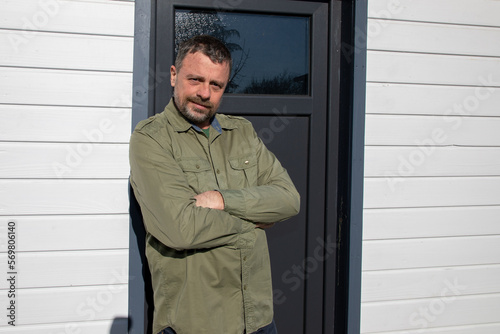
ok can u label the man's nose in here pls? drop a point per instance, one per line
(204, 91)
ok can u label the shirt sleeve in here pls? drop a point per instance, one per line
(273, 199)
(168, 205)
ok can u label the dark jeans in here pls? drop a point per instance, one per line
(269, 329)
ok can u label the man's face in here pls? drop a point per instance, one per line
(198, 87)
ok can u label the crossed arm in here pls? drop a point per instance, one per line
(213, 200)
(181, 219)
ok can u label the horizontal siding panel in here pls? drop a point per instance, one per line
(88, 17)
(397, 67)
(65, 124)
(433, 38)
(431, 161)
(386, 98)
(69, 268)
(65, 101)
(430, 252)
(63, 160)
(431, 192)
(53, 305)
(403, 223)
(33, 197)
(67, 88)
(431, 225)
(474, 12)
(427, 131)
(426, 283)
(68, 51)
(114, 326)
(85, 232)
(450, 310)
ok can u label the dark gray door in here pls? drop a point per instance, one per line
(280, 84)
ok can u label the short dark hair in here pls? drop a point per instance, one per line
(210, 46)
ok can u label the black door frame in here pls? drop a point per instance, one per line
(345, 158)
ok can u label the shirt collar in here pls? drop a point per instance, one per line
(215, 124)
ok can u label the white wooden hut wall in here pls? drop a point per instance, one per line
(431, 249)
(431, 245)
(65, 109)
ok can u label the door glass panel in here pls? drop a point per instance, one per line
(270, 52)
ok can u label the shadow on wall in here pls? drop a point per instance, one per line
(140, 289)
(119, 326)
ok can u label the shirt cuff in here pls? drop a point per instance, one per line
(234, 202)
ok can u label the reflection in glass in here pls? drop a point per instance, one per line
(270, 52)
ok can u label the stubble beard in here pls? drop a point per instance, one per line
(193, 114)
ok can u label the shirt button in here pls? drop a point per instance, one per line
(197, 166)
(245, 258)
(246, 162)
(244, 287)
(218, 171)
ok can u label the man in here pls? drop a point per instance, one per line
(207, 187)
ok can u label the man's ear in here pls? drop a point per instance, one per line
(173, 75)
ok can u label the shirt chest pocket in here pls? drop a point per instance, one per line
(199, 174)
(243, 172)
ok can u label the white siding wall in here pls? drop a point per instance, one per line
(431, 250)
(65, 118)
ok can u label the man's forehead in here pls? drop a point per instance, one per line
(199, 64)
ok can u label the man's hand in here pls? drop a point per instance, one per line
(210, 199)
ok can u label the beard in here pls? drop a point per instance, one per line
(193, 114)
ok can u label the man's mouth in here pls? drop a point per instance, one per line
(201, 105)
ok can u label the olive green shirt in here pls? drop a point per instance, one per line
(210, 268)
